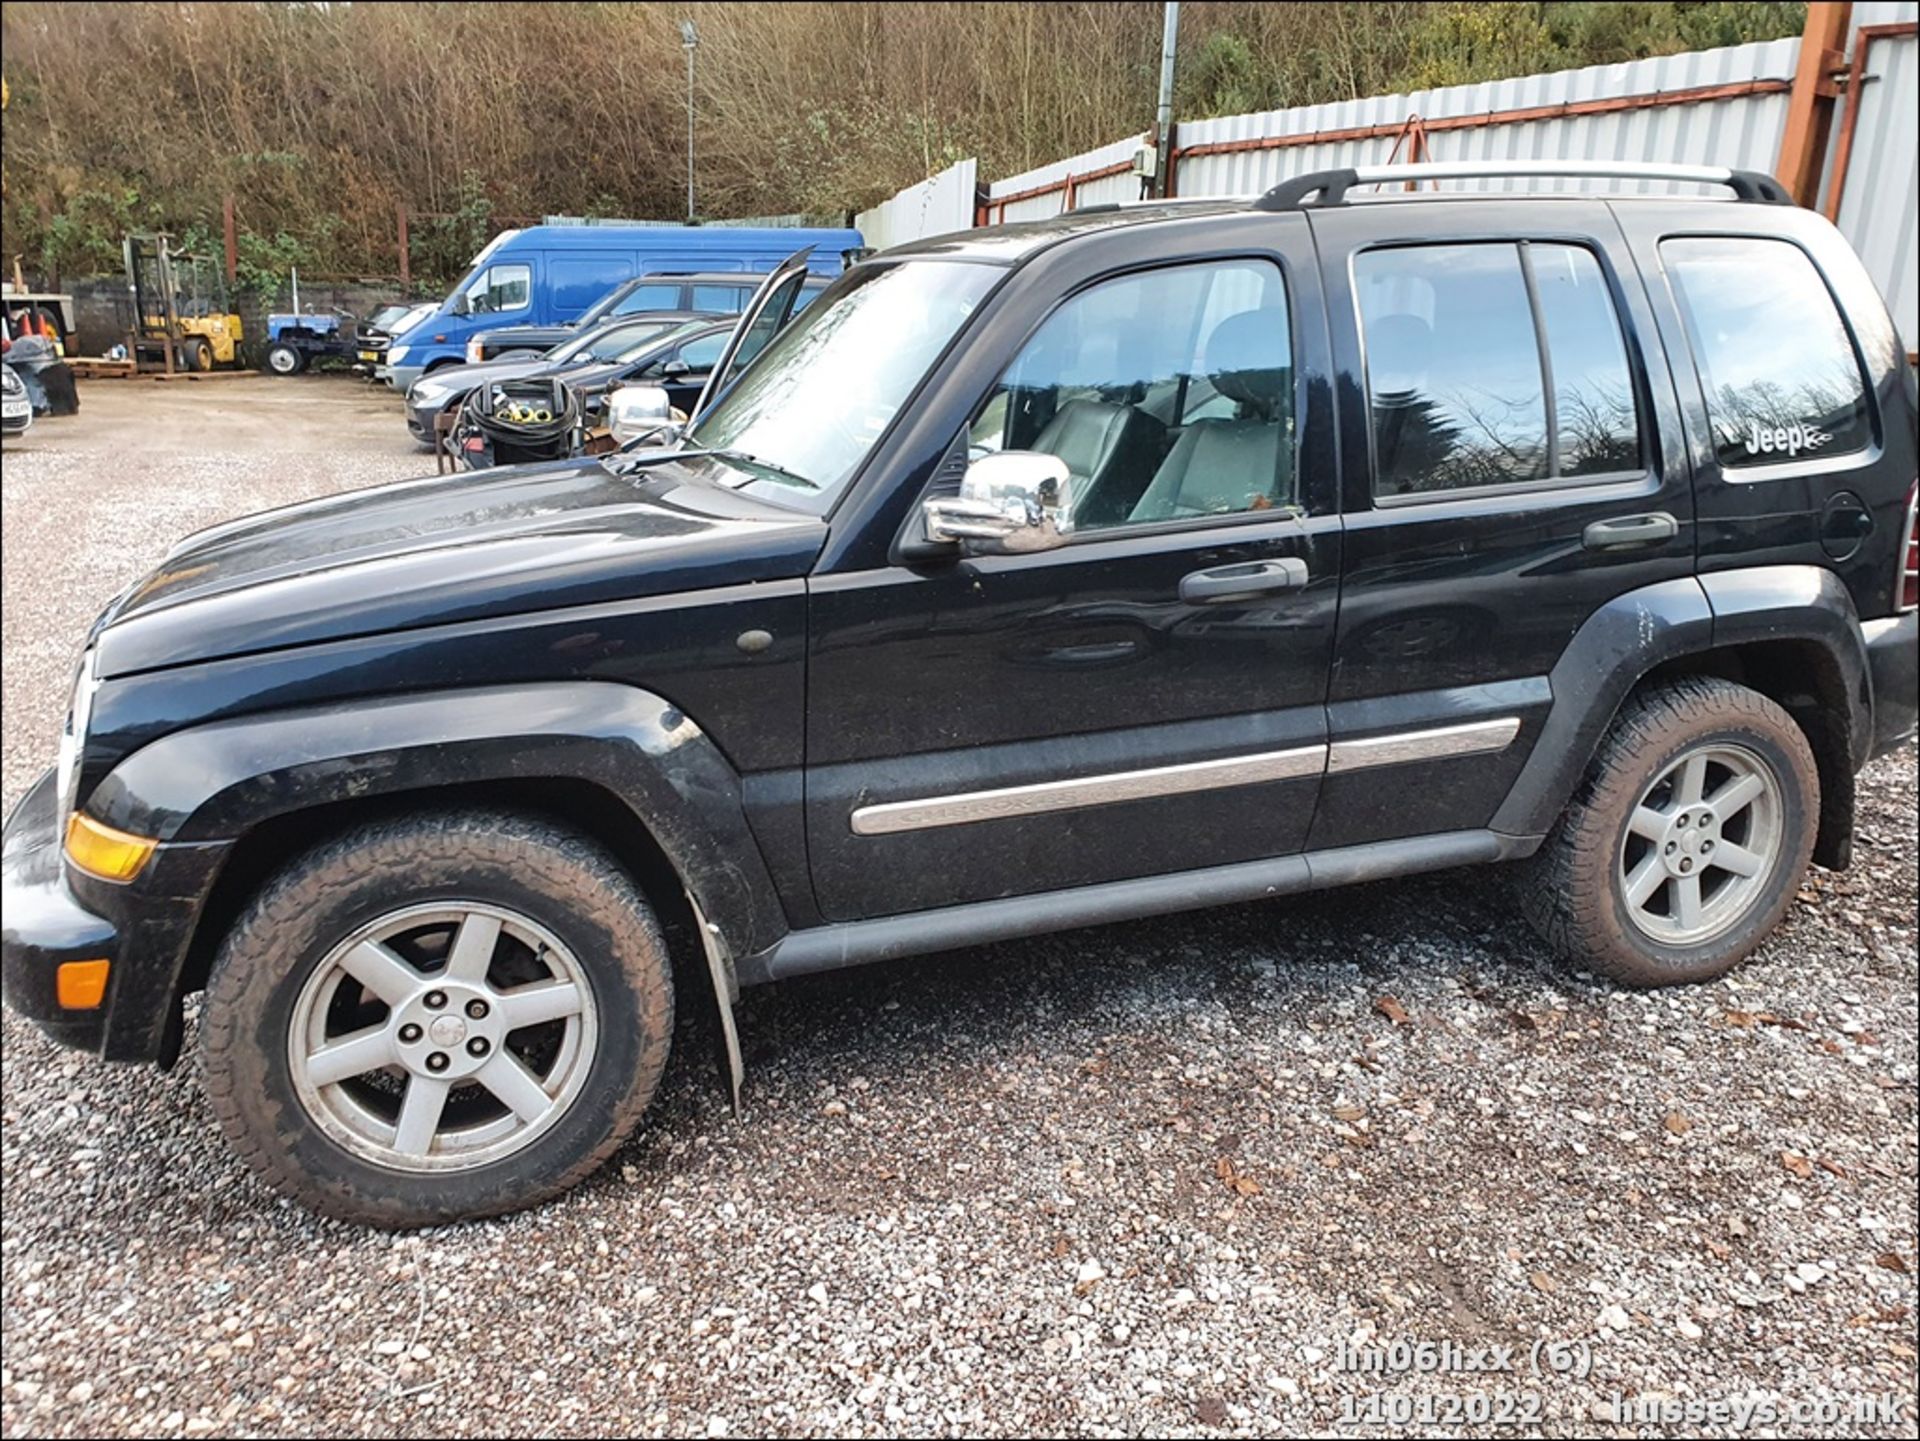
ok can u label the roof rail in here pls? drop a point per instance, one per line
(1332, 185)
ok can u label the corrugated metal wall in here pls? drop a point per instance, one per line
(1502, 120)
(935, 206)
(1038, 193)
(1880, 195)
(1709, 107)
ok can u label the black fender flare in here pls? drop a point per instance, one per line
(1635, 633)
(215, 782)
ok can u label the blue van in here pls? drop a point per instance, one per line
(549, 274)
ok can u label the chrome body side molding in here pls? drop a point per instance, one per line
(965, 807)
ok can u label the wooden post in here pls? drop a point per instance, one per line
(1803, 150)
(233, 242)
(400, 214)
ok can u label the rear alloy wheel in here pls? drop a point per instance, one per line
(1701, 845)
(285, 360)
(1686, 842)
(438, 1017)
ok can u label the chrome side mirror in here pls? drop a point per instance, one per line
(1009, 503)
(637, 410)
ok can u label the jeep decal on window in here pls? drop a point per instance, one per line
(1791, 439)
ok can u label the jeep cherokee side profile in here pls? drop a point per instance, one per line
(1141, 559)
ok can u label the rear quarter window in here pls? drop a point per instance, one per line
(1782, 381)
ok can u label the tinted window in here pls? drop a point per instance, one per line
(1596, 429)
(650, 297)
(1453, 368)
(1169, 395)
(1781, 377)
(721, 299)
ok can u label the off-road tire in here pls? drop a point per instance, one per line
(563, 880)
(1571, 891)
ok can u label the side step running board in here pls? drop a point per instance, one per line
(852, 943)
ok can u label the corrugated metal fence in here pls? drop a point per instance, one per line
(938, 204)
(1725, 106)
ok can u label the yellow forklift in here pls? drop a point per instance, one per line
(181, 318)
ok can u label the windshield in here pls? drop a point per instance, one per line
(817, 398)
(613, 342)
(385, 316)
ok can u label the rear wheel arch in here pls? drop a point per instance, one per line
(1787, 632)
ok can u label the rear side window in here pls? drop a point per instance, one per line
(1782, 380)
(1491, 365)
(650, 297)
(722, 299)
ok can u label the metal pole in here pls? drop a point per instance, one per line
(1163, 122)
(689, 38)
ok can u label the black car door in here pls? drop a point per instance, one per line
(1513, 460)
(1147, 698)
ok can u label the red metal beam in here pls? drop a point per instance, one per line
(1850, 114)
(1803, 147)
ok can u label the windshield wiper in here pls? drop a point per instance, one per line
(740, 457)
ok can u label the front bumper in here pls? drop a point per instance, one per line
(420, 422)
(50, 914)
(1893, 660)
(402, 376)
(44, 925)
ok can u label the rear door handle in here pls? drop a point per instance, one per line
(1630, 530)
(1239, 582)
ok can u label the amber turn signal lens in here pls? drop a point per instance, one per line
(81, 985)
(104, 852)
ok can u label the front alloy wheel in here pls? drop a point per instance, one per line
(438, 1017)
(442, 1038)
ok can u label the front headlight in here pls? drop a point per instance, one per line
(74, 735)
(11, 383)
(396, 354)
(424, 394)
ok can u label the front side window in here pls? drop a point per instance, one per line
(816, 399)
(1466, 390)
(1169, 395)
(1780, 373)
(500, 288)
(622, 340)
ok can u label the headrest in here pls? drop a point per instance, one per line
(1246, 359)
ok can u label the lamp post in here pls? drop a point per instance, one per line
(689, 39)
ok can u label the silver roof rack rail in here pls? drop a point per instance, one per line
(1331, 186)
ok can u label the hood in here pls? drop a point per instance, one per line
(462, 378)
(448, 549)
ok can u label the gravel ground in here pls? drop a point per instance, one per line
(1144, 1179)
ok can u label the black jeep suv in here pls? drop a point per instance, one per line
(1140, 559)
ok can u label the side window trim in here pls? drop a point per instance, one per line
(1553, 480)
(1790, 468)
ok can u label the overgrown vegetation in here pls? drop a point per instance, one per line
(321, 119)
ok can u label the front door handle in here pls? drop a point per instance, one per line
(1241, 582)
(1630, 530)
